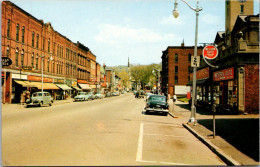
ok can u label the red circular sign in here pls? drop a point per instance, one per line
(210, 52)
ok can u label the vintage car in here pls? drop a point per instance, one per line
(99, 96)
(81, 96)
(91, 95)
(157, 103)
(39, 99)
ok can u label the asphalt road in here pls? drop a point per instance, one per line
(111, 131)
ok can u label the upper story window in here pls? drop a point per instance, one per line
(23, 31)
(241, 9)
(189, 57)
(43, 42)
(22, 58)
(8, 28)
(17, 32)
(176, 57)
(176, 79)
(7, 51)
(176, 69)
(32, 59)
(33, 34)
(16, 57)
(49, 43)
(37, 41)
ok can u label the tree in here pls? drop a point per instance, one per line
(124, 78)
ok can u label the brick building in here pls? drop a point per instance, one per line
(32, 44)
(235, 83)
(176, 68)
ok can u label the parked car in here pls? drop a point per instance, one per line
(123, 92)
(108, 94)
(99, 96)
(81, 96)
(157, 103)
(134, 92)
(39, 99)
(91, 95)
(115, 94)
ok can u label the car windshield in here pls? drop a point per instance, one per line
(154, 98)
(81, 93)
(36, 94)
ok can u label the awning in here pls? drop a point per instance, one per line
(93, 86)
(64, 87)
(199, 82)
(77, 88)
(85, 86)
(25, 83)
(49, 86)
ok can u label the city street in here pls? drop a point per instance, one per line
(110, 131)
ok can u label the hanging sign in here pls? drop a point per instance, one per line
(210, 52)
(6, 61)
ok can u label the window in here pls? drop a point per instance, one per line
(188, 78)
(37, 61)
(43, 41)
(176, 57)
(62, 51)
(189, 69)
(53, 51)
(189, 57)
(8, 28)
(37, 41)
(176, 69)
(49, 45)
(32, 59)
(48, 66)
(7, 51)
(32, 39)
(58, 50)
(16, 57)
(22, 57)
(23, 29)
(17, 32)
(241, 9)
(176, 79)
(53, 68)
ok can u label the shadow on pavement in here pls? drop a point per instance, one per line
(241, 133)
(200, 111)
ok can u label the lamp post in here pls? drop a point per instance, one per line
(176, 14)
(51, 58)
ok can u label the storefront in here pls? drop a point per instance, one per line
(84, 85)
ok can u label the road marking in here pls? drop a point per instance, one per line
(139, 154)
(164, 135)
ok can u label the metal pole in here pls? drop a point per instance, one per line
(42, 72)
(193, 108)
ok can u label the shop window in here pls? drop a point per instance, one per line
(23, 31)
(8, 28)
(176, 57)
(17, 32)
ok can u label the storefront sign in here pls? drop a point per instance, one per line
(37, 78)
(223, 74)
(82, 81)
(210, 52)
(201, 74)
(58, 80)
(19, 76)
(27, 68)
(6, 61)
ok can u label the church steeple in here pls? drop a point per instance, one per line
(128, 62)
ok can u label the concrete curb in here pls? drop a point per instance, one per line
(225, 158)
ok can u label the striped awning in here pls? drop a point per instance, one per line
(64, 87)
(77, 88)
(85, 86)
(48, 86)
(25, 83)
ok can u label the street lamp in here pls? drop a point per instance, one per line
(176, 14)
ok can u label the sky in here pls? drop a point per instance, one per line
(139, 29)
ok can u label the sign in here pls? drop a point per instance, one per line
(38, 78)
(201, 74)
(210, 52)
(27, 68)
(6, 61)
(195, 61)
(225, 74)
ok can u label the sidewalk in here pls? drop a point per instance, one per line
(237, 136)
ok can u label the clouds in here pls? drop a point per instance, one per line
(116, 34)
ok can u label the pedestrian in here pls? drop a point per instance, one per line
(174, 98)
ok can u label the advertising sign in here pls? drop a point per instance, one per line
(210, 52)
(6, 61)
(225, 74)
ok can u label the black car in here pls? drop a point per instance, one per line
(157, 103)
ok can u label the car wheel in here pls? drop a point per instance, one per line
(40, 104)
(50, 104)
